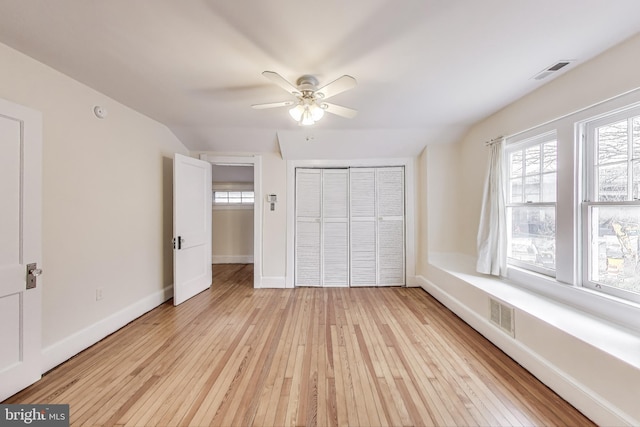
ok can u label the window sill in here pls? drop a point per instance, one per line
(620, 341)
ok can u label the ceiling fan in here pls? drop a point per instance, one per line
(311, 105)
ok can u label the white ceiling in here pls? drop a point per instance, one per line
(426, 69)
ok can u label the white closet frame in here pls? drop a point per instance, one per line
(409, 197)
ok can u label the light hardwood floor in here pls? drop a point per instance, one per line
(317, 357)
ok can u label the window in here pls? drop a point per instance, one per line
(233, 197)
(531, 203)
(611, 214)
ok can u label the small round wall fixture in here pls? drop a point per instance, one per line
(100, 112)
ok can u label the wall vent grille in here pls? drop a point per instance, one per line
(502, 316)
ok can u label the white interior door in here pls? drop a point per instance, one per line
(191, 227)
(20, 245)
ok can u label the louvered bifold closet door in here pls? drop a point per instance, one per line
(390, 210)
(364, 264)
(335, 227)
(308, 227)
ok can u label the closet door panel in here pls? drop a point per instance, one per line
(335, 227)
(363, 227)
(390, 204)
(308, 227)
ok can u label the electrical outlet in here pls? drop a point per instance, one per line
(98, 294)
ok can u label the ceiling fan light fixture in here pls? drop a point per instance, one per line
(307, 117)
(310, 106)
(296, 112)
(316, 111)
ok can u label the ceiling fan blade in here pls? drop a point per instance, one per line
(272, 105)
(339, 110)
(337, 86)
(280, 81)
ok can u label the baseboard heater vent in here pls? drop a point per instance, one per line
(502, 316)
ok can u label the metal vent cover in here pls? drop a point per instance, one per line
(552, 69)
(502, 316)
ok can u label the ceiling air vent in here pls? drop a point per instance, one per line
(552, 69)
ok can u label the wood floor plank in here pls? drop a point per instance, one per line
(234, 355)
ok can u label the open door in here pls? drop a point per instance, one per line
(20, 247)
(191, 227)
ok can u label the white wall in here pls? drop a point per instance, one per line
(613, 73)
(595, 380)
(107, 197)
(232, 236)
(274, 226)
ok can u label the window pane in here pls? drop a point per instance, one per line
(247, 197)
(612, 183)
(235, 194)
(220, 196)
(550, 159)
(612, 142)
(614, 246)
(515, 194)
(532, 235)
(532, 189)
(635, 192)
(234, 200)
(636, 137)
(532, 160)
(549, 187)
(515, 162)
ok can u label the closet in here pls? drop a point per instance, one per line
(349, 227)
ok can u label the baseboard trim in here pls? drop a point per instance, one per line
(273, 282)
(68, 347)
(587, 401)
(232, 259)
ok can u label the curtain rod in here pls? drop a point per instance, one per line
(494, 140)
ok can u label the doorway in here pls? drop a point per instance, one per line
(232, 215)
(255, 163)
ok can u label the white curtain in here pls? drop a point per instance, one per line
(492, 231)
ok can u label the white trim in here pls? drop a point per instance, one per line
(275, 282)
(256, 162)
(232, 259)
(410, 198)
(68, 347)
(569, 232)
(587, 401)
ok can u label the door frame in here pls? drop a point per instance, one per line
(256, 162)
(409, 198)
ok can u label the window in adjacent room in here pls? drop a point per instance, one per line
(531, 203)
(233, 198)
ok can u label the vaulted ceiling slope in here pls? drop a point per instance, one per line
(426, 69)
